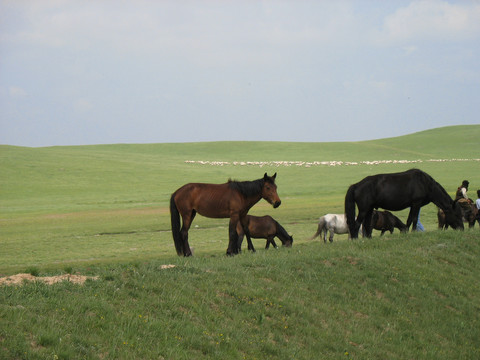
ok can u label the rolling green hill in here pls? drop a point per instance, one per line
(51, 193)
(103, 211)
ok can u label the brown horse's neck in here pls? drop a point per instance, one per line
(251, 201)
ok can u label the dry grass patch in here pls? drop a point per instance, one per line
(19, 279)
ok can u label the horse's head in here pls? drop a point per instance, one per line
(288, 242)
(454, 218)
(269, 190)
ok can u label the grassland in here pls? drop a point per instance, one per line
(102, 210)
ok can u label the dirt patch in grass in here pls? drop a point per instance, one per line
(19, 279)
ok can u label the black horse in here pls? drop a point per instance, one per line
(397, 191)
(386, 221)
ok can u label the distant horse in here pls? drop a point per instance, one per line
(230, 200)
(264, 227)
(469, 217)
(397, 191)
(333, 223)
(386, 221)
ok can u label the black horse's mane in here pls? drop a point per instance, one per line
(247, 188)
(434, 185)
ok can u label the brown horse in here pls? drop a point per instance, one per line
(264, 227)
(230, 200)
(468, 216)
(386, 221)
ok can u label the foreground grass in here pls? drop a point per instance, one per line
(103, 210)
(413, 296)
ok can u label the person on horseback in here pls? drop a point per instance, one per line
(462, 191)
(462, 198)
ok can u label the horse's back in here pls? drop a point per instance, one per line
(394, 191)
(261, 226)
(210, 200)
(337, 222)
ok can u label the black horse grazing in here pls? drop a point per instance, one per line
(230, 200)
(264, 227)
(386, 221)
(397, 191)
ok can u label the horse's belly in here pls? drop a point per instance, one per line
(213, 213)
(216, 207)
(392, 206)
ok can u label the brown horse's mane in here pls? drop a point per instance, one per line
(247, 188)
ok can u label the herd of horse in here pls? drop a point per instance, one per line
(395, 191)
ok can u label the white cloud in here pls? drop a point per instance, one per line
(433, 20)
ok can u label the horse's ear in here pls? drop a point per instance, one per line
(266, 177)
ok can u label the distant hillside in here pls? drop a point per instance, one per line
(447, 142)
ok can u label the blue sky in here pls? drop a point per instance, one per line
(97, 72)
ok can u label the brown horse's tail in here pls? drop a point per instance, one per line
(350, 210)
(175, 219)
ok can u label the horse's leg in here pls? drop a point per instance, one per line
(275, 244)
(187, 221)
(413, 217)
(332, 232)
(358, 222)
(249, 242)
(367, 223)
(271, 241)
(233, 239)
(240, 240)
(471, 223)
(246, 231)
(390, 227)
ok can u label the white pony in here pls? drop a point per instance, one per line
(335, 223)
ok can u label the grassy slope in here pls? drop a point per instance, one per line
(57, 202)
(103, 210)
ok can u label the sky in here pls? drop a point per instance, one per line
(102, 72)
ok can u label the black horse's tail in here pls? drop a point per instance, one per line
(175, 219)
(350, 210)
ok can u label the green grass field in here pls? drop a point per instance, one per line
(103, 210)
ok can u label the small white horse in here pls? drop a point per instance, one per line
(334, 223)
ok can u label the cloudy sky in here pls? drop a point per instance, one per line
(92, 72)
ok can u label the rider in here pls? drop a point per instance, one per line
(462, 191)
(462, 198)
